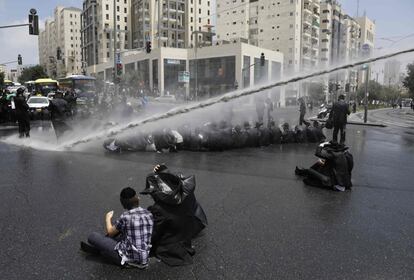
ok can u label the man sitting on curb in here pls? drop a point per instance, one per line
(128, 242)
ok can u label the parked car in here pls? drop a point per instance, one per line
(39, 107)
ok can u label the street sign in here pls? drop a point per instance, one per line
(173, 61)
(183, 77)
(118, 58)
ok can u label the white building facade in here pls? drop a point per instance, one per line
(60, 43)
(98, 29)
(219, 69)
(170, 23)
(291, 27)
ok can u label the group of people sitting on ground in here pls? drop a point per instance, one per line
(164, 230)
(216, 137)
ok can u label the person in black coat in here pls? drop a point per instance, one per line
(178, 217)
(22, 114)
(275, 133)
(333, 170)
(338, 115)
(302, 111)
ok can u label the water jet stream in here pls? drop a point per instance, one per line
(227, 97)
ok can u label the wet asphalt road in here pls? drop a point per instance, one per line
(263, 222)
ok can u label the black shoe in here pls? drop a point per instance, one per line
(87, 248)
(136, 265)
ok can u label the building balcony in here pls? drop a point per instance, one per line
(169, 19)
(307, 32)
(307, 21)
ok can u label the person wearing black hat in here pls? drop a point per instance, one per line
(339, 113)
(178, 217)
(22, 113)
(128, 241)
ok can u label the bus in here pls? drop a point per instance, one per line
(82, 85)
(45, 86)
(8, 83)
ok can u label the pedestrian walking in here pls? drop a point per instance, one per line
(302, 111)
(338, 115)
(22, 113)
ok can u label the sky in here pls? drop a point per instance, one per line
(394, 19)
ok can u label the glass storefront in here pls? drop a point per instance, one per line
(215, 76)
(260, 72)
(172, 67)
(246, 71)
(155, 76)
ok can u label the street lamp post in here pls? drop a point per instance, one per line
(366, 95)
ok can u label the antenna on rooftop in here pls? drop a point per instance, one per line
(357, 15)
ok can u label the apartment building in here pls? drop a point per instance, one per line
(392, 72)
(97, 29)
(171, 23)
(367, 42)
(289, 26)
(60, 43)
(340, 43)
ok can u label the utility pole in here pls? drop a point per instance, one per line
(366, 95)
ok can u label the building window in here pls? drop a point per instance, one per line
(125, 19)
(107, 7)
(117, 8)
(107, 16)
(117, 18)
(125, 10)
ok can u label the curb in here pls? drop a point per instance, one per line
(354, 123)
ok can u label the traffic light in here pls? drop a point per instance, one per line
(19, 60)
(148, 46)
(58, 54)
(118, 69)
(33, 22)
(262, 59)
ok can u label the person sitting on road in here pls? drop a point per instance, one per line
(128, 241)
(275, 133)
(333, 170)
(288, 136)
(178, 217)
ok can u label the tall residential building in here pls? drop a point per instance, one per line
(340, 43)
(367, 40)
(98, 29)
(170, 23)
(61, 36)
(392, 72)
(289, 26)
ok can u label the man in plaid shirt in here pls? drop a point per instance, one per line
(128, 242)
